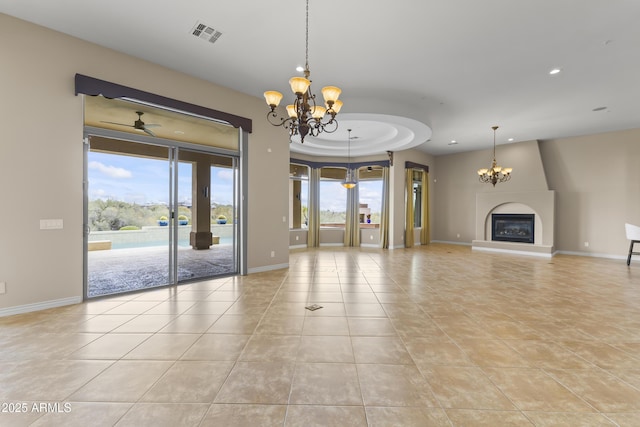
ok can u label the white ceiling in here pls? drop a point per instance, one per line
(453, 67)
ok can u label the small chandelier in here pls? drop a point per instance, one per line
(305, 117)
(496, 173)
(349, 180)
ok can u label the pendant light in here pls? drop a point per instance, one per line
(349, 180)
(495, 173)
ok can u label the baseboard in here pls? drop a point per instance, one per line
(598, 255)
(369, 245)
(298, 247)
(451, 243)
(268, 268)
(415, 245)
(28, 308)
(515, 252)
(547, 255)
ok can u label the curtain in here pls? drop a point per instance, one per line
(409, 220)
(313, 234)
(425, 236)
(352, 223)
(384, 215)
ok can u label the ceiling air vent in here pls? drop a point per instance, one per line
(205, 32)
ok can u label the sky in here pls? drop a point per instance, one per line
(333, 196)
(146, 181)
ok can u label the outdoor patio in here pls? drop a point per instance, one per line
(124, 270)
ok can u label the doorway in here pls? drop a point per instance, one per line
(157, 214)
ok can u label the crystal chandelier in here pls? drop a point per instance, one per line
(349, 180)
(305, 117)
(495, 173)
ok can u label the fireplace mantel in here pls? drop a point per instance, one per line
(540, 203)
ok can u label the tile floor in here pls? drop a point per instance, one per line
(436, 335)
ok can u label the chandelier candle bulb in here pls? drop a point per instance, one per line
(331, 94)
(299, 85)
(319, 112)
(273, 98)
(336, 106)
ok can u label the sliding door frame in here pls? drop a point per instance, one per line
(239, 160)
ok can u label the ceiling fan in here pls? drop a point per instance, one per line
(138, 124)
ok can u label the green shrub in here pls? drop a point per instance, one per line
(182, 217)
(163, 218)
(221, 217)
(129, 227)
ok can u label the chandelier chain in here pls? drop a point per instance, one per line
(305, 117)
(494, 142)
(349, 150)
(306, 56)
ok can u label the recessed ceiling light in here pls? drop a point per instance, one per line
(599, 109)
(554, 71)
(300, 68)
(510, 139)
(453, 142)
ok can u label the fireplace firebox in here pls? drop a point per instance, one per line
(512, 227)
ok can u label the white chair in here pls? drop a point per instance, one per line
(633, 234)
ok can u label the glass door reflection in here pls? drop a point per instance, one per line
(157, 216)
(206, 244)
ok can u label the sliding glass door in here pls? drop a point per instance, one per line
(154, 215)
(207, 220)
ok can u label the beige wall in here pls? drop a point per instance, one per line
(597, 183)
(595, 178)
(41, 157)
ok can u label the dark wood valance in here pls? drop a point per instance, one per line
(354, 165)
(412, 165)
(91, 86)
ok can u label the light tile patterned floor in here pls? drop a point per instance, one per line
(436, 335)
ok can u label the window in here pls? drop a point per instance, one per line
(370, 192)
(298, 196)
(333, 197)
(417, 198)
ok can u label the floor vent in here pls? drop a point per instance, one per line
(205, 32)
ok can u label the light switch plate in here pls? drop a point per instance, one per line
(51, 224)
(3, 288)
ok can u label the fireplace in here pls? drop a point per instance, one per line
(513, 227)
(539, 205)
